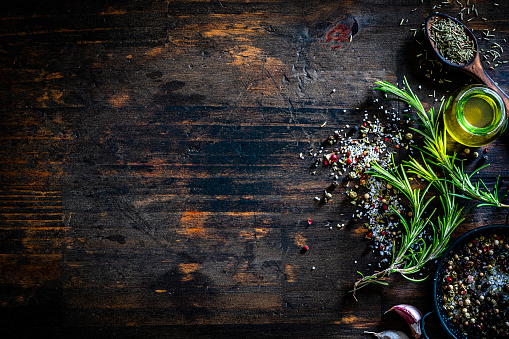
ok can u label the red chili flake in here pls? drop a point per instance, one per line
(364, 124)
(463, 292)
(326, 163)
(449, 280)
(369, 235)
(306, 247)
(385, 207)
(310, 221)
(349, 160)
(334, 158)
(383, 232)
(376, 149)
(385, 139)
(373, 205)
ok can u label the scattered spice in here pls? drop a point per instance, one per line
(353, 150)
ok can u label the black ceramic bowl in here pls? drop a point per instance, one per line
(446, 322)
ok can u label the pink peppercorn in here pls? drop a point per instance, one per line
(310, 221)
(349, 160)
(334, 157)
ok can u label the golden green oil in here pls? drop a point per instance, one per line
(479, 110)
(475, 116)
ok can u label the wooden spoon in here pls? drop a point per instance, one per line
(474, 66)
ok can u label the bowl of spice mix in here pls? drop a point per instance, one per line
(471, 284)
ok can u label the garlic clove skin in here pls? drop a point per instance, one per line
(411, 315)
(389, 334)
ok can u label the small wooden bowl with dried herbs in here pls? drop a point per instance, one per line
(457, 47)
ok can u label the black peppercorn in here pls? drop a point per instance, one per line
(471, 301)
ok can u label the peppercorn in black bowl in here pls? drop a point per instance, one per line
(471, 285)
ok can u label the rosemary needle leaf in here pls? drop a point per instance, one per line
(414, 279)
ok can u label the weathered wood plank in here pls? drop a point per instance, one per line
(150, 175)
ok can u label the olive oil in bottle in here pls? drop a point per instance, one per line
(479, 111)
(475, 116)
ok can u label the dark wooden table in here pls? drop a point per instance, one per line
(151, 184)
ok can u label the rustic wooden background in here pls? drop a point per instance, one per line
(151, 184)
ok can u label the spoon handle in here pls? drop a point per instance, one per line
(476, 69)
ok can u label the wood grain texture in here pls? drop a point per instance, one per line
(150, 175)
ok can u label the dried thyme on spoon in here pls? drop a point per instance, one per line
(451, 40)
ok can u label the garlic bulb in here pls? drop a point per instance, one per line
(412, 316)
(389, 334)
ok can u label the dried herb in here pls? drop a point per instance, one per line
(451, 40)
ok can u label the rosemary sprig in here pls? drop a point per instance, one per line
(435, 146)
(413, 251)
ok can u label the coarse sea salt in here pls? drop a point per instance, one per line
(356, 147)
